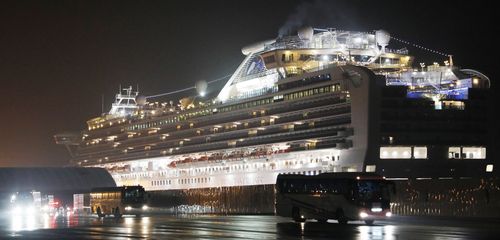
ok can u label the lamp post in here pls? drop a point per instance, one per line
(422, 65)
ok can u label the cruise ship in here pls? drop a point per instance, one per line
(321, 100)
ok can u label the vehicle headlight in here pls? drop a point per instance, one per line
(17, 210)
(128, 208)
(363, 214)
(388, 214)
(30, 210)
(145, 207)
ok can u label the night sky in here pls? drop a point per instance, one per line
(57, 58)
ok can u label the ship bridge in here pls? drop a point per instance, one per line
(311, 50)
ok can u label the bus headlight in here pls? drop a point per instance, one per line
(363, 215)
(17, 210)
(128, 208)
(145, 207)
(388, 214)
(30, 210)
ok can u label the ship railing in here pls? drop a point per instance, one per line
(255, 93)
(314, 109)
(276, 137)
(257, 75)
(323, 67)
(402, 51)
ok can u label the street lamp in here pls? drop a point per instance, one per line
(422, 65)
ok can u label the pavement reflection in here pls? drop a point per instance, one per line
(237, 227)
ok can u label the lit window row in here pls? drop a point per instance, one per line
(179, 118)
(195, 180)
(161, 182)
(313, 91)
(460, 152)
(246, 105)
(403, 152)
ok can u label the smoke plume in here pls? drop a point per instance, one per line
(319, 14)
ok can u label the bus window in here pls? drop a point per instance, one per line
(372, 190)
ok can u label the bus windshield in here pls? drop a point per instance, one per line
(133, 194)
(370, 190)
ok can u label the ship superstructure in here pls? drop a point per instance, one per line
(324, 100)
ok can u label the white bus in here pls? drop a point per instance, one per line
(341, 196)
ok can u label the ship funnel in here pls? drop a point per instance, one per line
(305, 33)
(382, 37)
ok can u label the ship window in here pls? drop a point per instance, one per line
(269, 59)
(474, 152)
(419, 152)
(466, 152)
(395, 152)
(454, 152)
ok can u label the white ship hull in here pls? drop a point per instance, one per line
(244, 171)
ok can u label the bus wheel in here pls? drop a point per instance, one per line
(369, 222)
(296, 215)
(341, 218)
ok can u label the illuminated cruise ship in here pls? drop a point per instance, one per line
(323, 100)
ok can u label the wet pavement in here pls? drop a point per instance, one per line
(239, 227)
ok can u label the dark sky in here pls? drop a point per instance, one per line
(58, 57)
